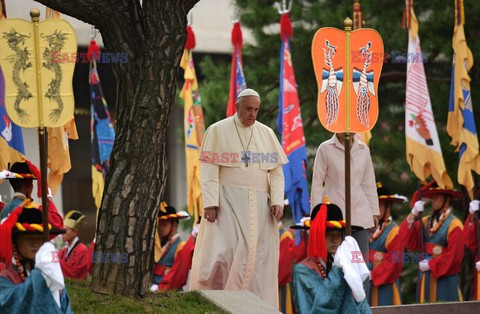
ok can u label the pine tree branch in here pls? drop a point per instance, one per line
(114, 19)
(153, 7)
(89, 11)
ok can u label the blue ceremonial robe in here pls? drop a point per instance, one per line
(10, 207)
(166, 262)
(32, 296)
(314, 294)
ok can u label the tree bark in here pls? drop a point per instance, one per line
(153, 35)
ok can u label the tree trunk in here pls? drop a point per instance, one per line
(153, 36)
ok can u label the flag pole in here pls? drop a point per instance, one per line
(422, 242)
(42, 131)
(476, 215)
(348, 27)
(420, 217)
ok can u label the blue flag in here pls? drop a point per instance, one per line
(9, 131)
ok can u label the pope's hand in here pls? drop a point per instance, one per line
(277, 212)
(210, 213)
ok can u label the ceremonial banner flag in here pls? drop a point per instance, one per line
(237, 79)
(194, 126)
(58, 150)
(11, 138)
(357, 24)
(18, 57)
(461, 122)
(347, 67)
(424, 154)
(290, 125)
(59, 153)
(102, 133)
(359, 112)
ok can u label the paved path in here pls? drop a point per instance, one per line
(239, 302)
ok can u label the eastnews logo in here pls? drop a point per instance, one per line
(100, 258)
(234, 158)
(82, 57)
(397, 257)
(394, 56)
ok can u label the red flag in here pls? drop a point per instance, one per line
(237, 79)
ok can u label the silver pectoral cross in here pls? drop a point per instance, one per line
(245, 159)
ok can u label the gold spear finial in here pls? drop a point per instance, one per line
(35, 14)
(348, 23)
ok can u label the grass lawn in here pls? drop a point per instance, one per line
(84, 301)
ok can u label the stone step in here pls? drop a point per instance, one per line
(238, 302)
(437, 308)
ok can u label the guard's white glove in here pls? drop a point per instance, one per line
(51, 271)
(195, 230)
(423, 265)
(477, 265)
(49, 193)
(154, 288)
(474, 206)
(418, 207)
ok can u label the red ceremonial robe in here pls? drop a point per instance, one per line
(177, 276)
(91, 249)
(290, 254)
(77, 262)
(447, 263)
(470, 234)
(386, 252)
(388, 269)
(53, 216)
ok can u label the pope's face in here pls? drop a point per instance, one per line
(28, 245)
(247, 109)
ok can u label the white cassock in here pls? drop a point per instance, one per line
(239, 251)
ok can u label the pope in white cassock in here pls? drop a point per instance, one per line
(237, 246)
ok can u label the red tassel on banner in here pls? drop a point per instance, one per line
(357, 15)
(190, 42)
(286, 29)
(237, 39)
(459, 12)
(93, 50)
(317, 244)
(407, 13)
